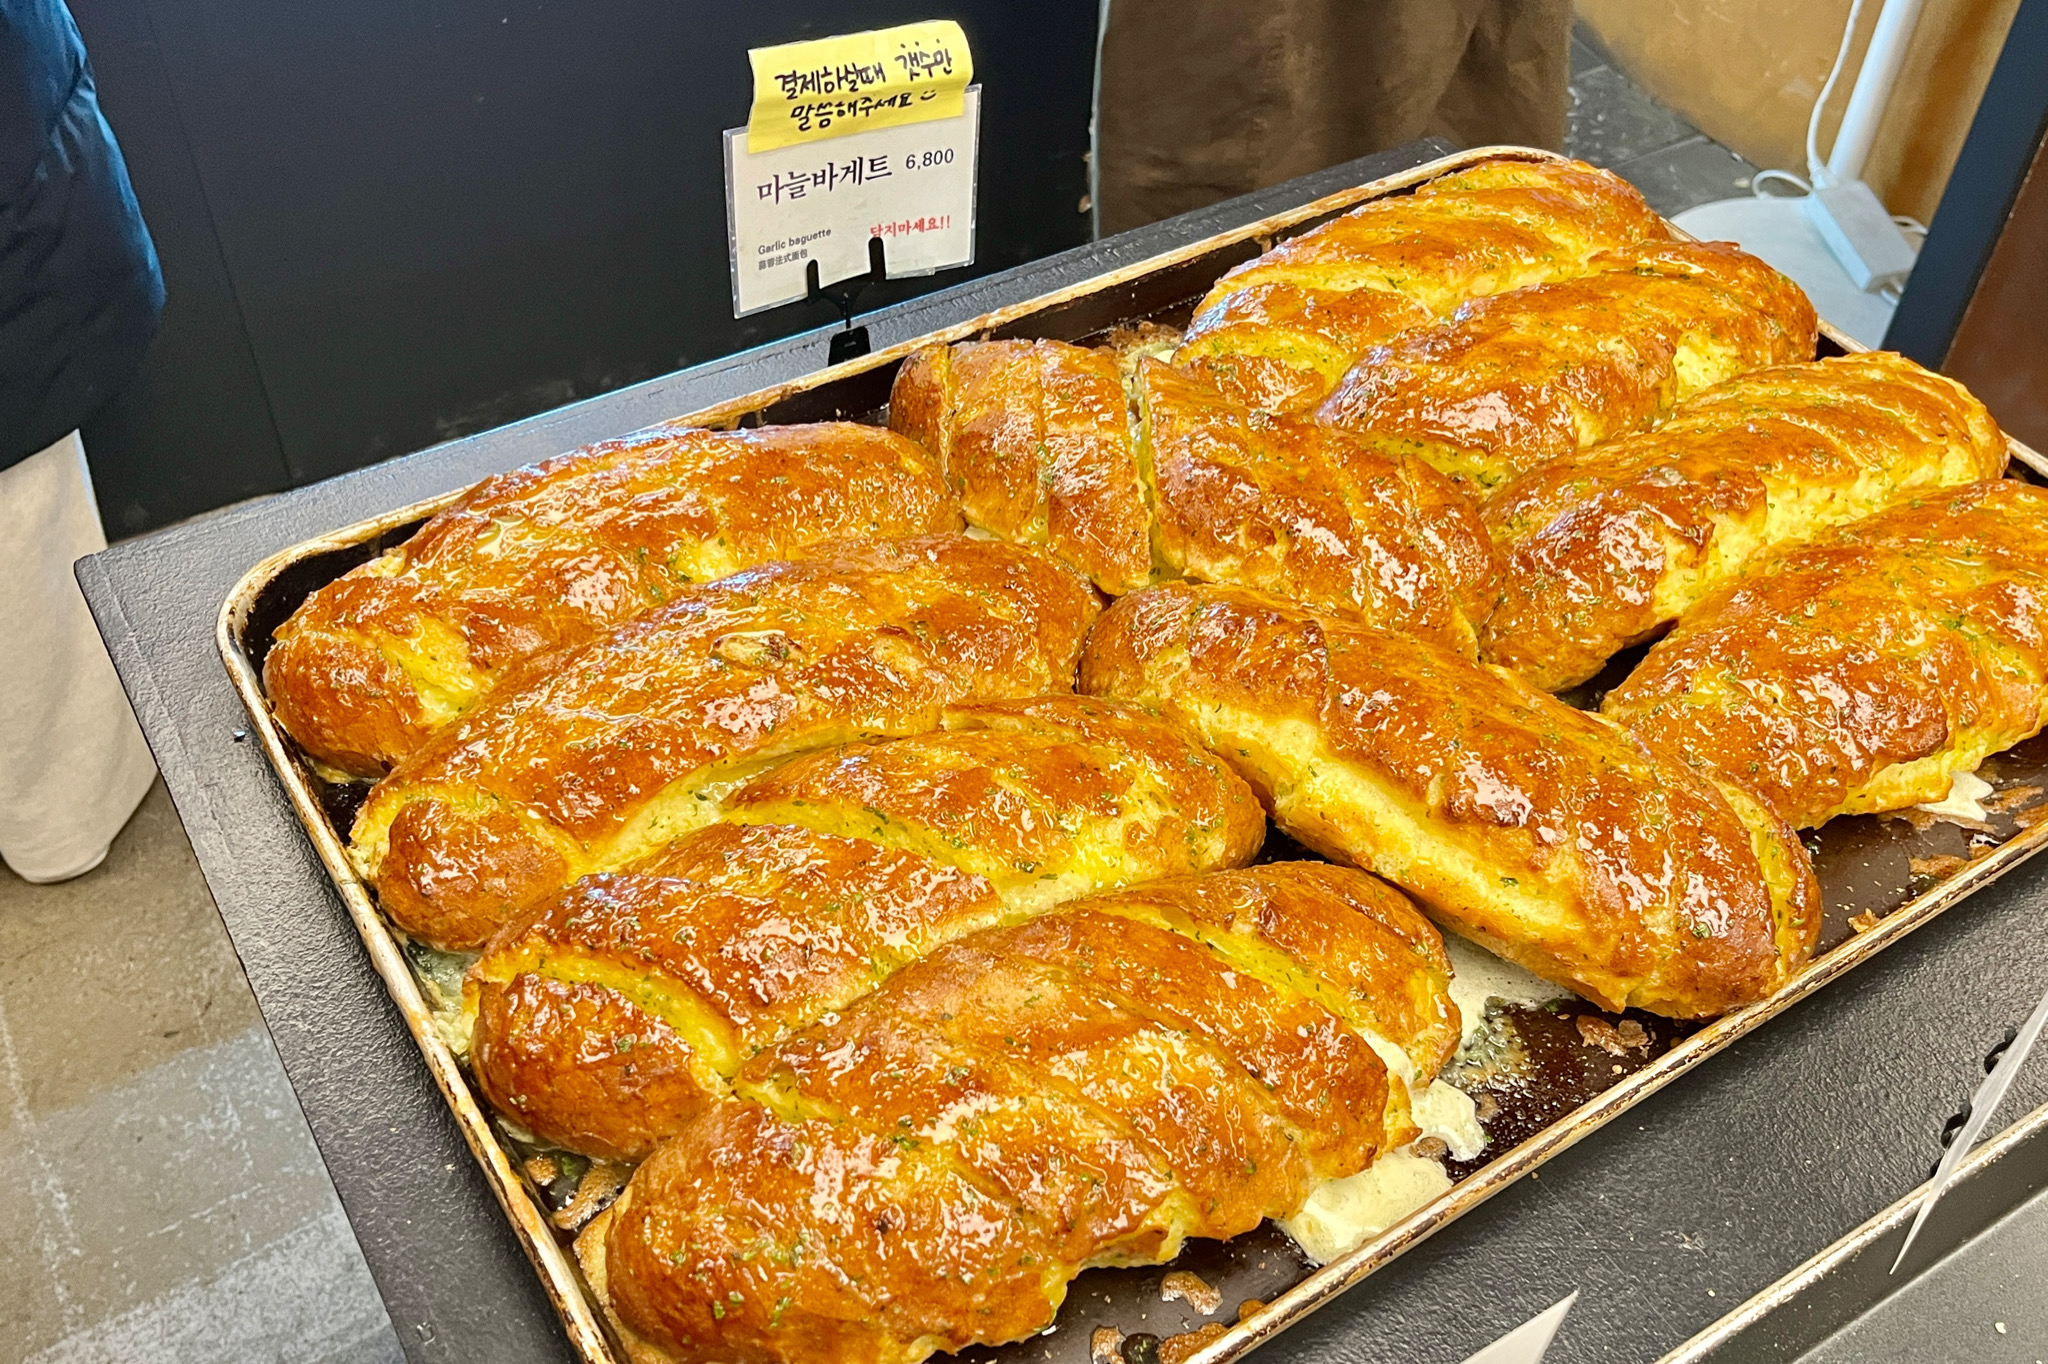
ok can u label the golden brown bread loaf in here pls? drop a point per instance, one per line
(1859, 673)
(1044, 799)
(607, 1019)
(612, 750)
(1035, 437)
(1316, 514)
(1543, 833)
(1214, 490)
(555, 554)
(931, 1167)
(1278, 332)
(620, 1010)
(1604, 550)
(1512, 381)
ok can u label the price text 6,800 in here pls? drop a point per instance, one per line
(943, 156)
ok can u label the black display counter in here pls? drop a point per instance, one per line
(1690, 1203)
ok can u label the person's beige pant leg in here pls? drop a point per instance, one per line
(73, 766)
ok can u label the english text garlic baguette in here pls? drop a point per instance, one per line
(1859, 673)
(1034, 435)
(1514, 380)
(555, 554)
(619, 747)
(1604, 550)
(1310, 512)
(1279, 332)
(610, 1017)
(931, 1167)
(1545, 834)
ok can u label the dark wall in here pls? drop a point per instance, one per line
(2001, 345)
(391, 222)
(1954, 289)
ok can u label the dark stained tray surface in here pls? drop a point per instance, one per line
(1800, 1130)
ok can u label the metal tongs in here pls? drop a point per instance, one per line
(1529, 1342)
(1976, 1113)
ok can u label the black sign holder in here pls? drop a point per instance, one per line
(852, 341)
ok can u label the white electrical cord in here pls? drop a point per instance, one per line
(1756, 183)
(1816, 169)
(1906, 223)
(1893, 24)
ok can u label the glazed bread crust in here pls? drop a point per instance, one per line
(624, 1006)
(597, 757)
(931, 1167)
(1512, 381)
(555, 554)
(1035, 437)
(609, 1018)
(1545, 834)
(1044, 799)
(1216, 490)
(1859, 673)
(1313, 513)
(1279, 332)
(1604, 550)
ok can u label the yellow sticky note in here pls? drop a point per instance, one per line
(829, 87)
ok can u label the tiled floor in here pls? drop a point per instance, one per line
(164, 1199)
(166, 1203)
(1614, 124)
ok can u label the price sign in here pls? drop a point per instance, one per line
(912, 185)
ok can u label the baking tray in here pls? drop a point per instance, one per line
(1572, 1068)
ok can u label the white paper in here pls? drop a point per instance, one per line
(912, 186)
(1529, 1342)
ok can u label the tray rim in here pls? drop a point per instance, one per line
(583, 1320)
(1788, 1289)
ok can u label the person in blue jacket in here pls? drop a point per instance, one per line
(80, 294)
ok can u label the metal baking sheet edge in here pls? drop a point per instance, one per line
(1724, 1339)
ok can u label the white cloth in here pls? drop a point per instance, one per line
(73, 766)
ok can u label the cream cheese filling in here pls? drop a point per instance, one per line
(1478, 976)
(1966, 791)
(1343, 1214)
